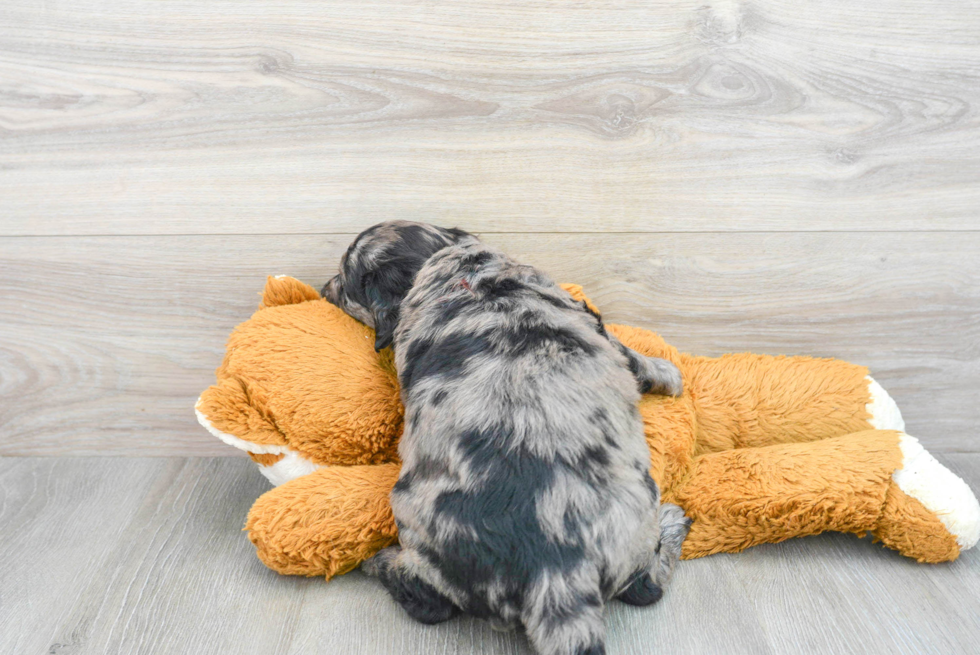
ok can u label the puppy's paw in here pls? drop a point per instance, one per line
(371, 567)
(380, 563)
(642, 591)
(674, 526)
(660, 376)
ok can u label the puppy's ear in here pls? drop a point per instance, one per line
(331, 291)
(385, 323)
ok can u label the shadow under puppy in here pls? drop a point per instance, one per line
(524, 496)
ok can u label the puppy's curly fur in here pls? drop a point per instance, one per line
(524, 497)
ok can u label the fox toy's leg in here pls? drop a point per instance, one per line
(749, 401)
(877, 480)
(327, 522)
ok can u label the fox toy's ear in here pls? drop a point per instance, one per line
(385, 323)
(285, 290)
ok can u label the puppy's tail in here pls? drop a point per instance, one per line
(563, 613)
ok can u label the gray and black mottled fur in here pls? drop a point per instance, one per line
(524, 496)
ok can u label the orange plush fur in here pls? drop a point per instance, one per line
(757, 449)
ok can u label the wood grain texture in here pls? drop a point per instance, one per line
(106, 342)
(123, 117)
(133, 556)
(761, 175)
(120, 555)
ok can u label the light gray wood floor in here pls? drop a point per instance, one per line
(146, 555)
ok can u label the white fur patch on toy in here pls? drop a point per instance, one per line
(940, 491)
(232, 440)
(290, 467)
(884, 412)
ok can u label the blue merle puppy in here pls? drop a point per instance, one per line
(524, 496)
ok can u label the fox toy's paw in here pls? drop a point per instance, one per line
(930, 513)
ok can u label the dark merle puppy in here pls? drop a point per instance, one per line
(524, 496)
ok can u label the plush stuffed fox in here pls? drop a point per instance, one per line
(757, 449)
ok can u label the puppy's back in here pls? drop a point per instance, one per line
(525, 491)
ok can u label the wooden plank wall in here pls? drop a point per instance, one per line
(766, 175)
